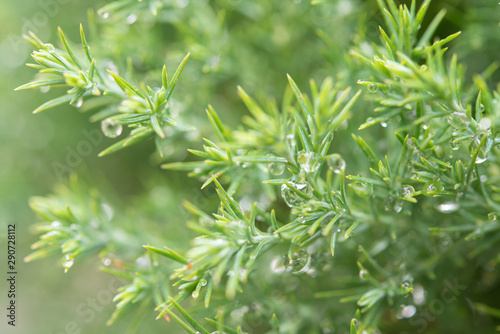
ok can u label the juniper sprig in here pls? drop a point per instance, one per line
(369, 202)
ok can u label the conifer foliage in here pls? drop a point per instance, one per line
(364, 202)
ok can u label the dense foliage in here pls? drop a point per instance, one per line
(367, 200)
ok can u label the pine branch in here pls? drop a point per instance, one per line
(144, 111)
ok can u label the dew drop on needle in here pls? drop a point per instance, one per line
(111, 128)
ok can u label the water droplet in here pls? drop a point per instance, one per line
(406, 191)
(49, 47)
(454, 144)
(423, 68)
(108, 211)
(483, 178)
(291, 197)
(239, 313)
(276, 168)
(492, 216)
(362, 189)
(290, 140)
(203, 282)
(481, 107)
(45, 89)
(56, 225)
(480, 160)
(408, 312)
(278, 264)
(393, 204)
(438, 151)
(143, 262)
(363, 274)
(67, 262)
(213, 63)
(311, 272)
(419, 295)
(131, 18)
(447, 207)
(372, 88)
(308, 161)
(106, 262)
(111, 128)
(79, 103)
(429, 189)
(336, 163)
(105, 15)
(243, 272)
(485, 123)
(414, 176)
(336, 198)
(370, 121)
(484, 150)
(383, 124)
(219, 242)
(51, 234)
(95, 223)
(300, 262)
(195, 294)
(458, 120)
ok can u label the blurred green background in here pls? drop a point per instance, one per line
(260, 42)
